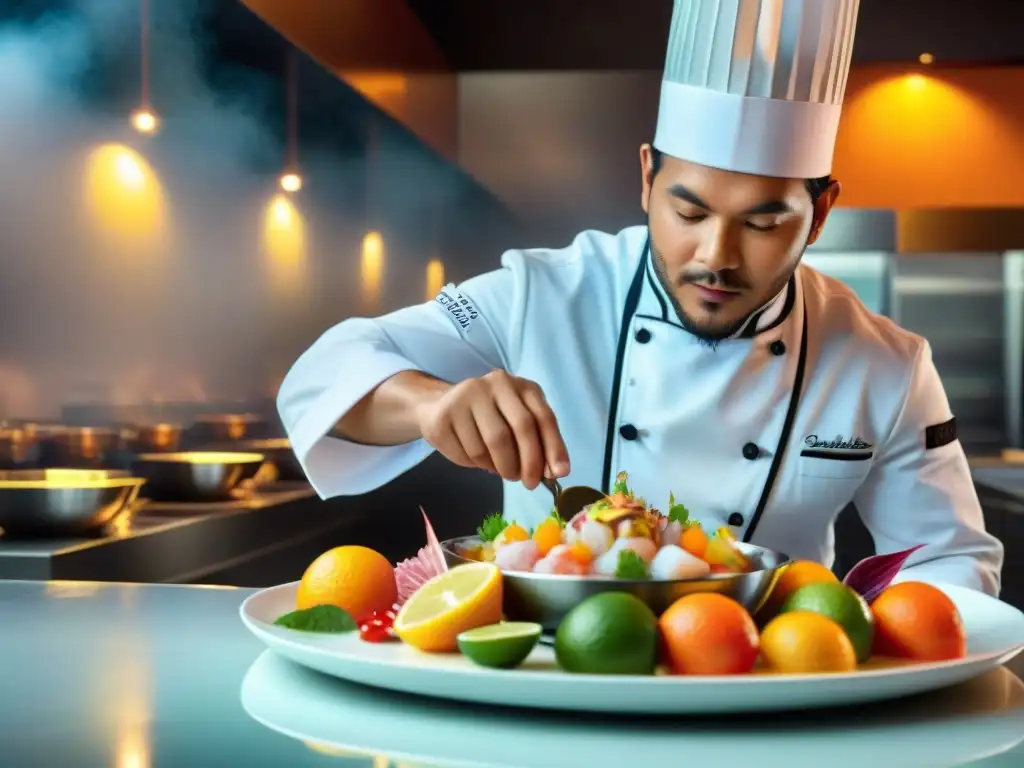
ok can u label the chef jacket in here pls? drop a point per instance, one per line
(817, 402)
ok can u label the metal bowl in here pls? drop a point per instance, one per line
(277, 450)
(195, 475)
(546, 598)
(63, 501)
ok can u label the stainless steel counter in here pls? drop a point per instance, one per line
(153, 676)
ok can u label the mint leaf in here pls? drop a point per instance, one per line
(630, 566)
(319, 618)
(491, 527)
(677, 513)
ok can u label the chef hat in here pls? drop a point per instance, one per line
(756, 86)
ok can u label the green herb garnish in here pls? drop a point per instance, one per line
(621, 486)
(319, 618)
(677, 513)
(630, 566)
(491, 527)
(557, 517)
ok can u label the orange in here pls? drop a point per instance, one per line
(694, 540)
(708, 634)
(462, 598)
(801, 642)
(792, 577)
(547, 536)
(354, 578)
(917, 621)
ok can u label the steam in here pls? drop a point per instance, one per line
(82, 320)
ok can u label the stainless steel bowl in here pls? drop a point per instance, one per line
(195, 475)
(63, 501)
(278, 452)
(547, 598)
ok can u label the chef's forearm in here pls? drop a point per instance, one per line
(388, 414)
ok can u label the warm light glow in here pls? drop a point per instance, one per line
(435, 278)
(372, 267)
(284, 242)
(123, 193)
(145, 121)
(291, 182)
(916, 82)
(926, 58)
(377, 85)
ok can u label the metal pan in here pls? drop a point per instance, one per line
(195, 476)
(63, 502)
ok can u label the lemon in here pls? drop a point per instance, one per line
(463, 598)
(611, 633)
(502, 646)
(801, 642)
(841, 604)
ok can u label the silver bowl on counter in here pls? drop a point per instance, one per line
(277, 451)
(195, 476)
(546, 598)
(64, 501)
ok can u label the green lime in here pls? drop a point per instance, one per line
(503, 646)
(611, 633)
(841, 604)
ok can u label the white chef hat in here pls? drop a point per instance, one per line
(756, 86)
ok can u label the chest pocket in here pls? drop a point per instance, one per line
(835, 466)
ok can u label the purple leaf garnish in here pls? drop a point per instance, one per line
(873, 574)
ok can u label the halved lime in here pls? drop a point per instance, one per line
(503, 646)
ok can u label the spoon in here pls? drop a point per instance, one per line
(569, 501)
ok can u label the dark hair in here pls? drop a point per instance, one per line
(815, 187)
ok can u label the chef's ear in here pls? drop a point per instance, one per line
(648, 168)
(822, 207)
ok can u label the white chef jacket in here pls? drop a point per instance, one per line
(816, 403)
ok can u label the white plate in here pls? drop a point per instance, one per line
(961, 724)
(995, 633)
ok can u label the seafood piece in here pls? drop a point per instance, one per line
(562, 563)
(511, 534)
(721, 551)
(670, 533)
(518, 556)
(597, 536)
(606, 564)
(674, 562)
(644, 547)
(548, 535)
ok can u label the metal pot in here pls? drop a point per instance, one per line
(195, 476)
(157, 438)
(63, 501)
(219, 428)
(17, 448)
(84, 447)
(546, 598)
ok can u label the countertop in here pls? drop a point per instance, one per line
(135, 676)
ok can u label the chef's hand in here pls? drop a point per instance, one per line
(500, 423)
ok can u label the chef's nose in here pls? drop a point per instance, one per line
(718, 250)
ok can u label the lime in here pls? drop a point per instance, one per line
(611, 633)
(503, 646)
(841, 604)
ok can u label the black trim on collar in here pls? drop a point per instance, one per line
(656, 286)
(751, 330)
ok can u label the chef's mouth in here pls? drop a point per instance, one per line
(715, 295)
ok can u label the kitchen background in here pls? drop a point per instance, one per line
(158, 275)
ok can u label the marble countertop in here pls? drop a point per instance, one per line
(135, 676)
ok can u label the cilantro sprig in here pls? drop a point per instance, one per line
(677, 513)
(491, 527)
(630, 566)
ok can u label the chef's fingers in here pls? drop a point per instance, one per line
(497, 436)
(469, 445)
(556, 455)
(524, 427)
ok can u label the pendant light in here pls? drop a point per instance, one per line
(291, 179)
(144, 119)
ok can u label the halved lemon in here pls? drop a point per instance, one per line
(463, 598)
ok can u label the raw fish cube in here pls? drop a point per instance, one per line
(673, 562)
(517, 556)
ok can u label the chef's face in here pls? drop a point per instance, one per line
(726, 243)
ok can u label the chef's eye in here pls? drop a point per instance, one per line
(761, 227)
(691, 219)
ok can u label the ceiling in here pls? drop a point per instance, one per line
(632, 34)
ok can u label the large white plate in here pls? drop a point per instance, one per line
(995, 633)
(972, 721)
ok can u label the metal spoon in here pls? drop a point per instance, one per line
(569, 501)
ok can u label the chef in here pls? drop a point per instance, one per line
(695, 353)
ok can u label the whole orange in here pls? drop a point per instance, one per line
(355, 578)
(791, 577)
(708, 634)
(917, 621)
